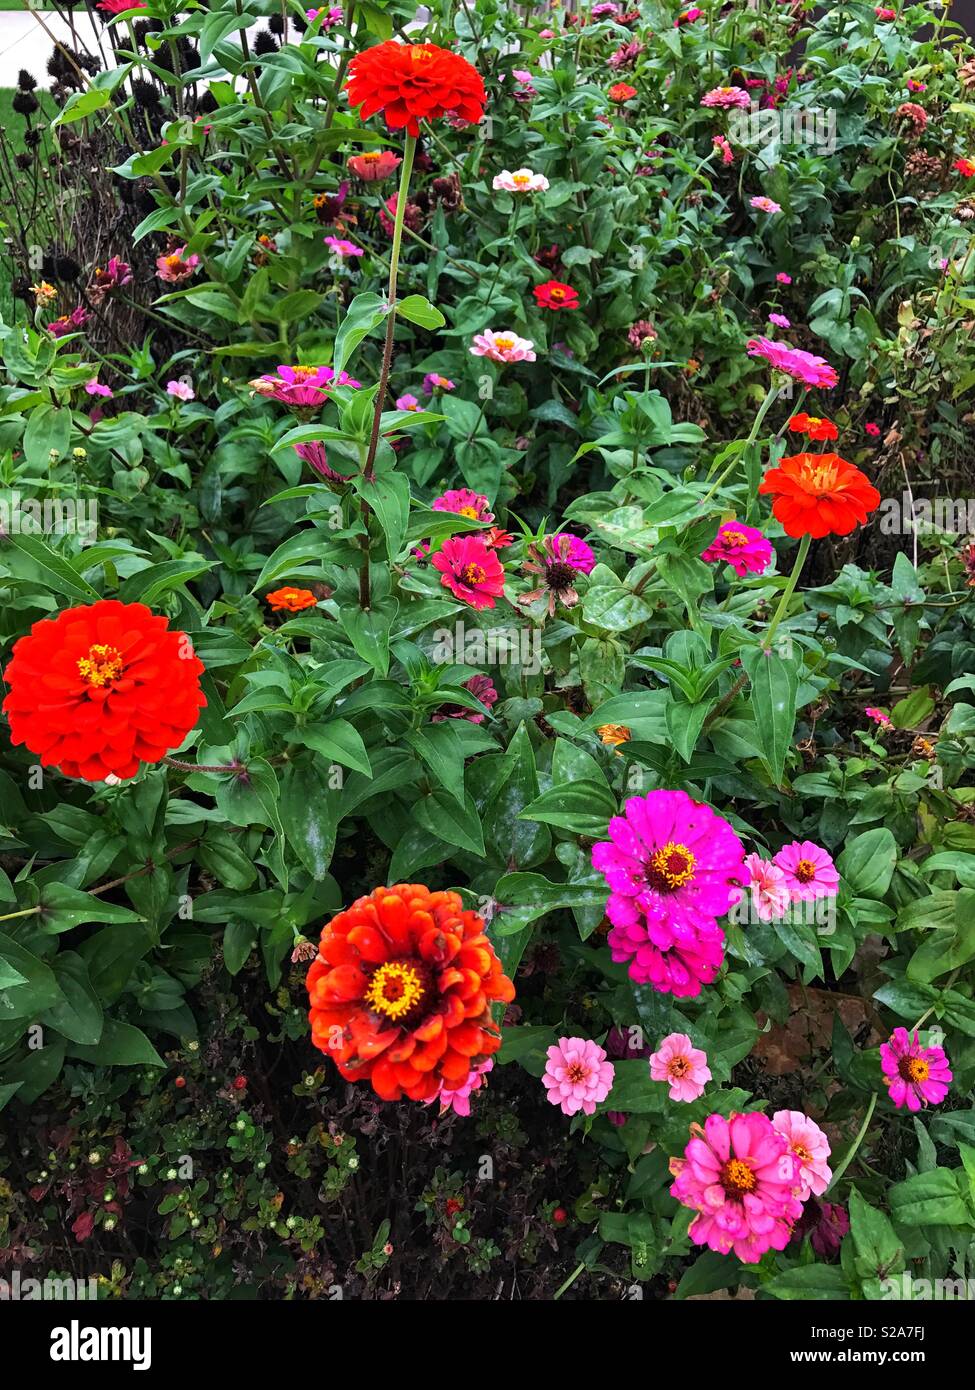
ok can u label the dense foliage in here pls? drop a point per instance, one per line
(551, 491)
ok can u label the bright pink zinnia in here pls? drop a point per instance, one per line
(463, 502)
(738, 1174)
(683, 1065)
(743, 547)
(313, 453)
(811, 1148)
(809, 871)
(470, 571)
(914, 1075)
(801, 366)
(577, 1075)
(672, 865)
(303, 388)
(177, 266)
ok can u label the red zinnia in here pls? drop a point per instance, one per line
(413, 82)
(401, 992)
(813, 427)
(555, 295)
(819, 495)
(100, 689)
(620, 92)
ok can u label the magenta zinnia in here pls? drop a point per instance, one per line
(743, 547)
(740, 1177)
(673, 867)
(470, 571)
(914, 1075)
(801, 366)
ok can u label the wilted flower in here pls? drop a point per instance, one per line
(116, 274)
(69, 323)
(558, 559)
(641, 332)
(482, 688)
(313, 453)
(721, 142)
(44, 294)
(613, 734)
(176, 266)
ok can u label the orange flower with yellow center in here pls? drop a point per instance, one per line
(402, 989)
(614, 734)
(291, 600)
(819, 495)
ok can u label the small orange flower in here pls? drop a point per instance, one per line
(401, 992)
(620, 92)
(813, 427)
(819, 495)
(291, 600)
(614, 734)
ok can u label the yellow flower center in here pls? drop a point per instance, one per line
(678, 1067)
(802, 1153)
(805, 871)
(473, 574)
(421, 53)
(914, 1069)
(101, 666)
(734, 538)
(504, 344)
(304, 373)
(577, 1073)
(557, 293)
(469, 511)
(820, 479)
(395, 989)
(520, 179)
(671, 866)
(371, 156)
(738, 1177)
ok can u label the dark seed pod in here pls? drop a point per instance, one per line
(25, 81)
(24, 103)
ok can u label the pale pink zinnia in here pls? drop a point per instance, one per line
(809, 871)
(811, 1149)
(743, 547)
(683, 1065)
(521, 181)
(408, 402)
(182, 390)
(176, 266)
(763, 204)
(673, 866)
(914, 1075)
(577, 1075)
(738, 1174)
(726, 96)
(801, 366)
(502, 346)
(770, 895)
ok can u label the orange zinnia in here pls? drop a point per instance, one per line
(291, 600)
(413, 82)
(819, 495)
(401, 992)
(813, 426)
(101, 689)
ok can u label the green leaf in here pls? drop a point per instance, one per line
(120, 1045)
(819, 1282)
(929, 1199)
(78, 1016)
(40, 989)
(867, 863)
(310, 813)
(878, 1250)
(420, 311)
(774, 683)
(339, 741)
(388, 494)
(63, 908)
(583, 807)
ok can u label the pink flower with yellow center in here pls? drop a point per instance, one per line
(340, 247)
(811, 1149)
(503, 346)
(801, 366)
(682, 1065)
(743, 547)
(809, 871)
(739, 1176)
(521, 181)
(471, 571)
(763, 204)
(725, 97)
(673, 866)
(577, 1075)
(464, 502)
(408, 402)
(176, 266)
(914, 1075)
(301, 387)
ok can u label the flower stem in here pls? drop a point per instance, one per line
(788, 591)
(851, 1151)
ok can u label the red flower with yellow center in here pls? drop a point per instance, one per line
(819, 495)
(413, 82)
(555, 295)
(620, 92)
(100, 689)
(291, 600)
(401, 992)
(813, 427)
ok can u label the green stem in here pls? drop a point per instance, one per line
(569, 1282)
(852, 1150)
(788, 591)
